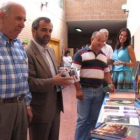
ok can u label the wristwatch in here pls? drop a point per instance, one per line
(110, 85)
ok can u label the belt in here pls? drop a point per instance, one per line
(13, 100)
(89, 85)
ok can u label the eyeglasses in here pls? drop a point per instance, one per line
(101, 41)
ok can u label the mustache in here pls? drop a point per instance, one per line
(46, 36)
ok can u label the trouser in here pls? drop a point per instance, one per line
(88, 111)
(46, 131)
(13, 121)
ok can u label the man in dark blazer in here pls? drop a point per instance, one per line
(44, 83)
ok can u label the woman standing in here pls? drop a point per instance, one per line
(124, 59)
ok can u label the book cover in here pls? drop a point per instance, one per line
(109, 131)
(70, 72)
(123, 95)
(117, 119)
(120, 102)
(127, 115)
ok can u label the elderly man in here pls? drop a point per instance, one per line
(92, 63)
(14, 92)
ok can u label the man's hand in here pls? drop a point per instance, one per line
(79, 95)
(62, 81)
(30, 114)
(111, 88)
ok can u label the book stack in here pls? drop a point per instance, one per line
(118, 119)
(111, 131)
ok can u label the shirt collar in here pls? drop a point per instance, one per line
(6, 40)
(88, 49)
(41, 49)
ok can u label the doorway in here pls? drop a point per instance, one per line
(55, 44)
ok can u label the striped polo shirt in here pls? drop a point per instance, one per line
(92, 66)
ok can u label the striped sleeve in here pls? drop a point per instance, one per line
(77, 61)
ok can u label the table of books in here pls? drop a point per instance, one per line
(117, 119)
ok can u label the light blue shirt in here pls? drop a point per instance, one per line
(123, 56)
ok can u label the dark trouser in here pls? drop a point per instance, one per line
(13, 121)
(45, 131)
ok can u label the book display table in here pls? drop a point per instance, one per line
(118, 119)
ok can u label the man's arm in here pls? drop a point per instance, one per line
(108, 79)
(110, 61)
(79, 93)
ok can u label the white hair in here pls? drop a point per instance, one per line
(104, 31)
(94, 34)
(5, 7)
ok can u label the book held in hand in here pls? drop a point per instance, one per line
(70, 72)
(110, 131)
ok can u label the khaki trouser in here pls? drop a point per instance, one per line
(13, 121)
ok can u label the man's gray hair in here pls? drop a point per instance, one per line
(104, 31)
(94, 33)
(5, 7)
(35, 23)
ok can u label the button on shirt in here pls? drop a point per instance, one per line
(13, 69)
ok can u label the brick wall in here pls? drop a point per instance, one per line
(85, 10)
(94, 9)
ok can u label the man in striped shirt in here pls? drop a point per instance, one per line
(92, 63)
(14, 92)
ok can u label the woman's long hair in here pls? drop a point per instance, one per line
(128, 40)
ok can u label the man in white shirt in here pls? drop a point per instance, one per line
(107, 49)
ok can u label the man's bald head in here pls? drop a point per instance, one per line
(12, 18)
